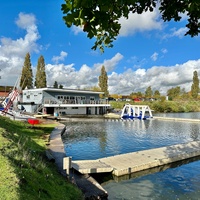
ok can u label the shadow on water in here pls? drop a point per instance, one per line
(105, 178)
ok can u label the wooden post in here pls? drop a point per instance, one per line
(67, 161)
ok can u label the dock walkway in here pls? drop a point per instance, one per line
(137, 161)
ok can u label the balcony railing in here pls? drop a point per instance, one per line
(73, 101)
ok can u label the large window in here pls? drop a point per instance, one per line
(71, 99)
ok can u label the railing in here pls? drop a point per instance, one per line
(73, 101)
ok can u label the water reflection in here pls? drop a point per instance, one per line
(172, 183)
(93, 140)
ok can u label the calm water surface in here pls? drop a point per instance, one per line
(92, 140)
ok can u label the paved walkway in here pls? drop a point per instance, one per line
(89, 186)
(56, 147)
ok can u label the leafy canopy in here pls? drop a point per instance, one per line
(100, 18)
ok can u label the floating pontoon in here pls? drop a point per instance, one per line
(136, 111)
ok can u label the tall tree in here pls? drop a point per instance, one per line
(156, 94)
(174, 92)
(26, 80)
(195, 85)
(148, 92)
(55, 85)
(101, 19)
(40, 78)
(103, 82)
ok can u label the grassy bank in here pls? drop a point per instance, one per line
(25, 173)
(164, 106)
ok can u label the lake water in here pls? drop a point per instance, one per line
(91, 140)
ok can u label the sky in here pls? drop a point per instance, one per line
(147, 52)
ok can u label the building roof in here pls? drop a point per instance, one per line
(64, 90)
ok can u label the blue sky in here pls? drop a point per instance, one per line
(148, 51)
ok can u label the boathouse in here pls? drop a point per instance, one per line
(63, 102)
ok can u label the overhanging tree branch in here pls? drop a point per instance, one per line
(100, 18)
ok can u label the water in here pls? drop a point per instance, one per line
(92, 140)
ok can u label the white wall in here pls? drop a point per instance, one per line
(70, 111)
(30, 108)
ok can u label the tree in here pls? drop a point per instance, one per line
(60, 86)
(174, 92)
(26, 80)
(55, 85)
(195, 85)
(100, 19)
(103, 82)
(95, 89)
(148, 92)
(156, 94)
(40, 78)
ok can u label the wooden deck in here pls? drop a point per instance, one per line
(137, 161)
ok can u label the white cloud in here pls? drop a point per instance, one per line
(77, 29)
(84, 78)
(12, 52)
(176, 33)
(180, 32)
(140, 22)
(25, 21)
(62, 56)
(164, 51)
(109, 64)
(158, 77)
(154, 57)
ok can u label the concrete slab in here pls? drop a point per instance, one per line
(91, 166)
(124, 164)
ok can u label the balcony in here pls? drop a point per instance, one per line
(53, 101)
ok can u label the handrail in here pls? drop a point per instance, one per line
(73, 101)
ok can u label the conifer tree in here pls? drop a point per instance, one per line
(40, 78)
(55, 85)
(26, 80)
(148, 92)
(103, 82)
(195, 85)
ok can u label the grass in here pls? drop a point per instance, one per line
(25, 173)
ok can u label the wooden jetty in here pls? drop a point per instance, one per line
(124, 164)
